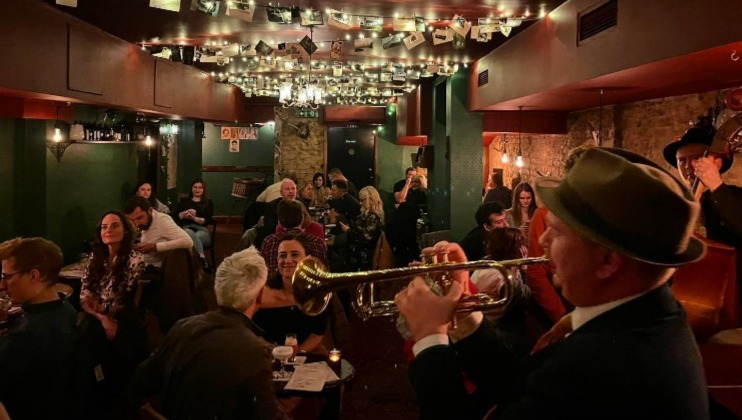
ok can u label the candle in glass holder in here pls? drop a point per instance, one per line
(334, 360)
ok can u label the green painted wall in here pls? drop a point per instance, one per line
(391, 160)
(439, 199)
(90, 180)
(454, 190)
(216, 152)
(465, 142)
(64, 201)
(7, 178)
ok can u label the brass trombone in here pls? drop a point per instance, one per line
(313, 285)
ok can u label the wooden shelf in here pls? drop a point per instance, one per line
(107, 142)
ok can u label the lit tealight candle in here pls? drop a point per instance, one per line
(334, 356)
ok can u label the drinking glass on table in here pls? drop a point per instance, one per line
(292, 342)
(282, 353)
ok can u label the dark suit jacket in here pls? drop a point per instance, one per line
(210, 366)
(638, 360)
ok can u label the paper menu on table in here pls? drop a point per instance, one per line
(311, 377)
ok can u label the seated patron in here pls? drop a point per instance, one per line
(273, 191)
(270, 218)
(308, 225)
(213, 366)
(306, 193)
(336, 173)
(36, 353)
(113, 338)
(344, 207)
(144, 189)
(489, 216)
(159, 231)
(630, 354)
(290, 216)
(524, 205)
(279, 314)
(321, 192)
(194, 213)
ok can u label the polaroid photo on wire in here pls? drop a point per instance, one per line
(415, 39)
(338, 19)
(441, 36)
(210, 7)
(242, 11)
(460, 25)
(312, 18)
(371, 23)
(278, 14)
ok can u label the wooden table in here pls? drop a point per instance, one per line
(722, 364)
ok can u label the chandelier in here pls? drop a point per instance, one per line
(304, 93)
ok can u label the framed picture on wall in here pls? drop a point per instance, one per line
(234, 146)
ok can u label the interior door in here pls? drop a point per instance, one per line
(353, 151)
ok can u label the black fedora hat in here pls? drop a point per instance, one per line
(698, 134)
(636, 209)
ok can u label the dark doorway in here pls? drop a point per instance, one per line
(353, 151)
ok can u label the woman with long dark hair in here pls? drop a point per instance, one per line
(194, 213)
(112, 336)
(524, 204)
(321, 192)
(279, 314)
(144, 189)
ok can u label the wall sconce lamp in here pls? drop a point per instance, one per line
(61, 138)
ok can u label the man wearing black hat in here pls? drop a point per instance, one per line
(696, 158)
(631, 353)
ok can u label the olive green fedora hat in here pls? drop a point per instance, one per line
(631, 206)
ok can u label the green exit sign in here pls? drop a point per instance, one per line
(307, 113)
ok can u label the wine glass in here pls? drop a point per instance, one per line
(281, 353)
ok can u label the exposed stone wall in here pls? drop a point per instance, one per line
(304, 156)
(643, 127)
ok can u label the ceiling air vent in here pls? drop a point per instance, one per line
(484, 78)
(598, 20)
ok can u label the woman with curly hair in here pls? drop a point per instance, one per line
(113, 338)
(321, 192)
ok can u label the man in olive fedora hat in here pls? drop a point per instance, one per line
(617, 227)
(699, 155)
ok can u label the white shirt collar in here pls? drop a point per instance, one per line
(582, 315)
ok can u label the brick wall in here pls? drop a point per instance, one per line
(644, 127)
(303, 156)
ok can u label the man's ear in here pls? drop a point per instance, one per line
(609, 265)
(717, 161)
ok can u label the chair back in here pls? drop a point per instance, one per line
(707, 289)
(383, 255)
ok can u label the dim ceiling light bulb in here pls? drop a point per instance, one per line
(57, 135)
(148, 141)
(505, 158)
(519, 161)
